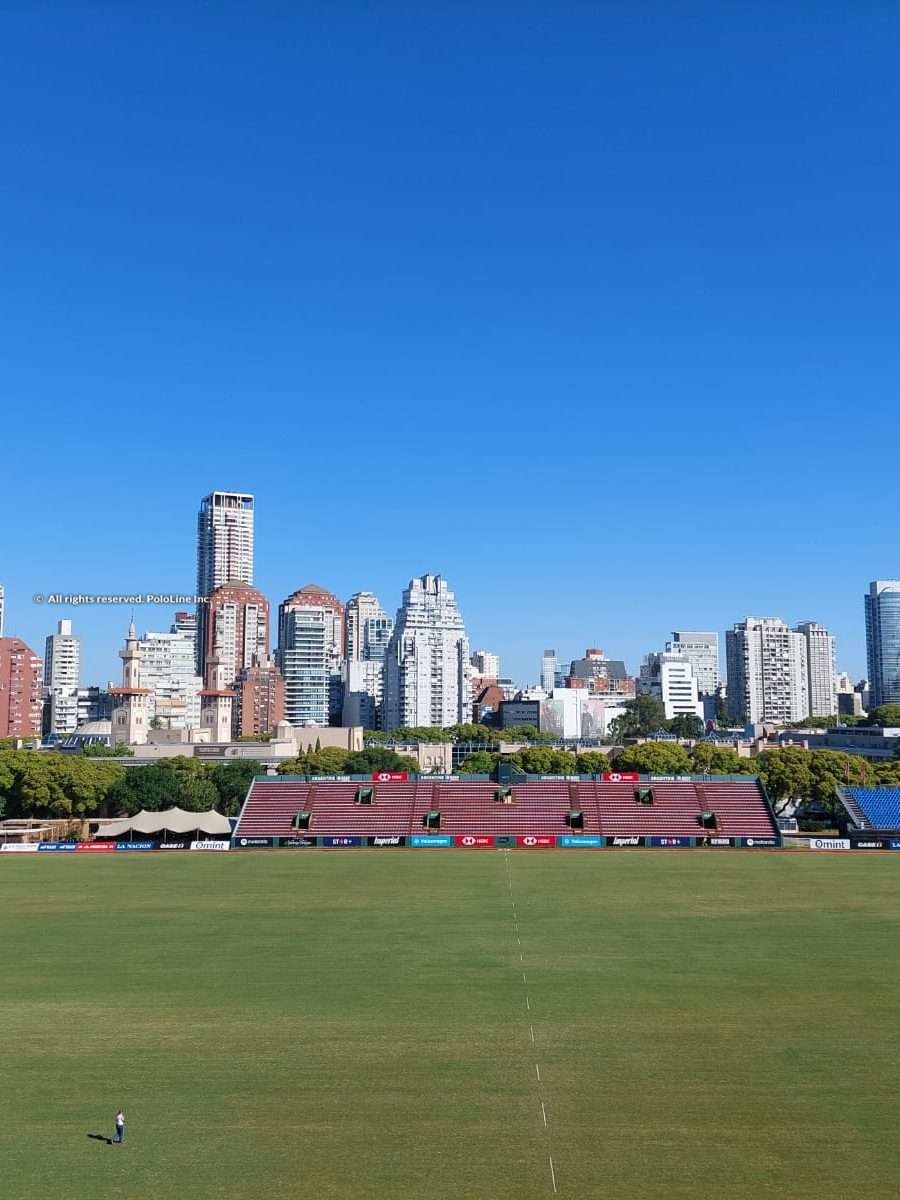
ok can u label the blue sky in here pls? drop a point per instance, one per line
(592, 309)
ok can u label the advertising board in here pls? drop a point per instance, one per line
(296, 843)
(210, 844)
(96, 847)
(340, 841)
(19, 847)
(137, 845)
(620, 776)
(829, 843)
(57, 846)
(386, 841)
(623, 841)
(759, 842)
(588, 841)
(536, 841)
(420, 841)
(474, 841)
(390, 776)
(671, 843)
(253, 843)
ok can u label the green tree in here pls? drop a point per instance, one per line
(591, 762)
(543, 760)
(100, 750)
(707, 758)
(420, 733)
(687, 726)
(885, 715)
(231, 781)
(643, 716)
(786, 774)
(654, 758)
(471, 733)
(479, 762)
(524, 733)
(376, 758)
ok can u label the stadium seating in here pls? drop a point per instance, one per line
(880, 807)
(538, 807)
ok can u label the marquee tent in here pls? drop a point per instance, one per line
(172, 820)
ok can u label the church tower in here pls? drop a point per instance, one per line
(216, 701)
(130, 705)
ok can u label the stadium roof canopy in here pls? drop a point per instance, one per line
(172, 820)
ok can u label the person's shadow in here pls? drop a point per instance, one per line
(101, 1137)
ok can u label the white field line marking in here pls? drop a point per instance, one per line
(537, 1070)
(552, 1174)
(527, 1004)
(531, 1031)
(524, 980)
(544, 1114)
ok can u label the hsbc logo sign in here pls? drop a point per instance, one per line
(620, 776)
(473, 841)
(536, 841)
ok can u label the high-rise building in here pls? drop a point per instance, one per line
(235, 628)
(362, 609)
(310, 656)
(820, 669)
(670, 678)
(167, 671)
(548, 671)
(130, 721)
(767, 672)
(486, 664)
(702, 652)
(224, 551)
(62, 668)
(427, 663)
(21, 686)
(599, 674)
(258, 700)
(883, 641)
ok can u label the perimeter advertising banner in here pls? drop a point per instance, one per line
(716, 841)
(96, 847)
(390, 776)
(254, 843)
(621, 777)
(671, 843)
(385, 841)
(536, 841)
(296, 843)
(474, 841)
(623, 841)
(420, 841)
(210, 844)
(588, 841)
(137, 845)
(765, 843)
(829, 843)
(19, 847)
(57, 846)
(339, 842)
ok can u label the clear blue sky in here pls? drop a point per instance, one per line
(592, 309)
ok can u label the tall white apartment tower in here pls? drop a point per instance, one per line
(224, 552)
(701, 649)
(62, 668)
(548, 671)
(767, 672)
(820, 671)
(670, 678)
(426, 675)
(224, 540)
(362, 607)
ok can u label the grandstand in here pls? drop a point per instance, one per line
(872, 808)
(723, 807)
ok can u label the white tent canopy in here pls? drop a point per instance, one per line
(172, 820)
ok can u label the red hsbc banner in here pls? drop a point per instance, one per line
(531, 841)
(96, 846)
(620, 777)
(474, 841)
(390, 776)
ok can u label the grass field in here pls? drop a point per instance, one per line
(336, 1025)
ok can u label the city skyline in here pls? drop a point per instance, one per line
(627, 285)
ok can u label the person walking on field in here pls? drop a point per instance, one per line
(120, 1127)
